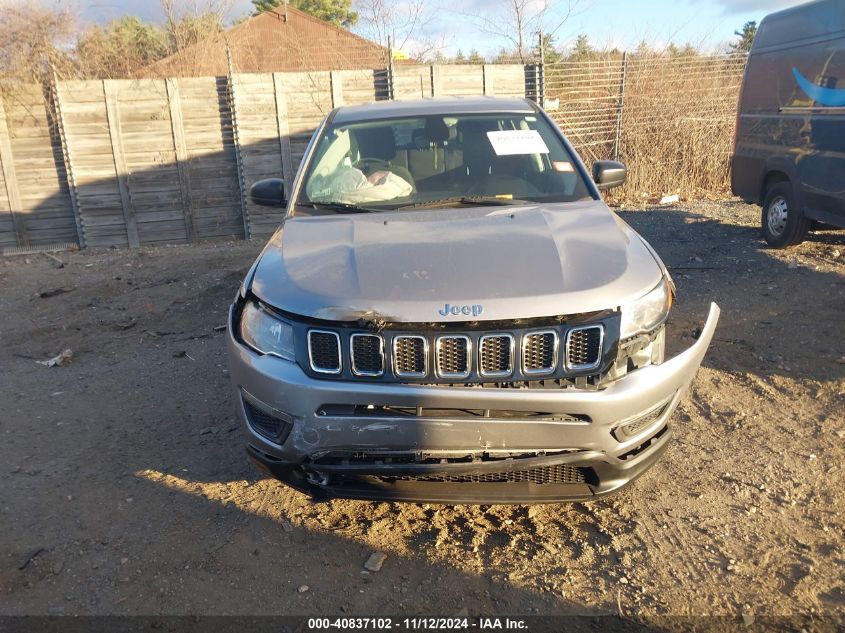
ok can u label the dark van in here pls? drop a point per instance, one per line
(789, 152)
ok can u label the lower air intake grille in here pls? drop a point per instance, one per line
(583, 347)
(273, 427)
(367, 355)
(539, 352)
(453, 356)
(410, 356)
(324, 351)
(496, 355)
(544, 475)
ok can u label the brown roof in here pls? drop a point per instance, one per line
(284, 39)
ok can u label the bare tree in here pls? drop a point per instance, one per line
(518, 21)
(189, 23)
(193, 30)
(405, 24)
(33, 38)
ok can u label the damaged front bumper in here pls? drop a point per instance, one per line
(434, 443)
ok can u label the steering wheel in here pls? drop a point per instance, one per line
(369, 165)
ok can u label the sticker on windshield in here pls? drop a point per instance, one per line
(510, 142)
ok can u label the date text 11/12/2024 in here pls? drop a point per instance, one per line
(417, 624)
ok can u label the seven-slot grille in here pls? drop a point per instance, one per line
(324, 351)
(410, 356)
(539, 352)
(583, 347)
(495, 355)
(453, 356)
(367, 354)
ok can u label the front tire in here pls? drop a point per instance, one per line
(783, 223)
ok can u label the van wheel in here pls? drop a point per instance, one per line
(783, 224)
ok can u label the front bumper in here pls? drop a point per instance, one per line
(574, 453)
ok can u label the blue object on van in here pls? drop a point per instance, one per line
(789, 146)
(826, 96)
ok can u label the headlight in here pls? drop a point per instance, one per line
(265, 333)
(647, 312)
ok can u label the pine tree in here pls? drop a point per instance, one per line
(581, 49)
(746, 37)
(550, 52)
(475, 57)
(337, 12)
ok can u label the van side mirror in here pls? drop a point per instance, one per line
(608, 174)
(268, 193)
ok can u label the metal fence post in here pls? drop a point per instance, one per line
(620, 104)
(541, 78)
(54, 110)
(434, 73)
(239, 163)
(531, 82)
(390, 95)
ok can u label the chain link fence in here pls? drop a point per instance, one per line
(671, 119)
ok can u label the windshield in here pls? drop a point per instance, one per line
(439, 161)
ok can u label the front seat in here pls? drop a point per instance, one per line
(425, 159)
(477, 151)
(377, 151)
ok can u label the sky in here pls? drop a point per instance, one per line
(709, 24)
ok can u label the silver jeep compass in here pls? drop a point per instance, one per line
(450, 313)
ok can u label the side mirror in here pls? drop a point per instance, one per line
(608, 174)
(268, 193)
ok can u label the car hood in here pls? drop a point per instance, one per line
(490, 263)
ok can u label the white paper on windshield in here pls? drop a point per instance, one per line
(511, 142)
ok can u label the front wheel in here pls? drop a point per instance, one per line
(783, 224)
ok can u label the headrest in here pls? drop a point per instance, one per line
(436, 129)
(469, 128)
(477, 150)
(376, 142)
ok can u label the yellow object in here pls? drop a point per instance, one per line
(505, 196)
(399, 55)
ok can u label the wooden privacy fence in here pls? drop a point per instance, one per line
(147, 161)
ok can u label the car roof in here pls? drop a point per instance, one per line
(422, 107)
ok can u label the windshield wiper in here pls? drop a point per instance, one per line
(485, 201)
(343, 207)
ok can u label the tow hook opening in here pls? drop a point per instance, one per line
(315, 477)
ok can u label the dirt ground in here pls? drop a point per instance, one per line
(124, 487)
